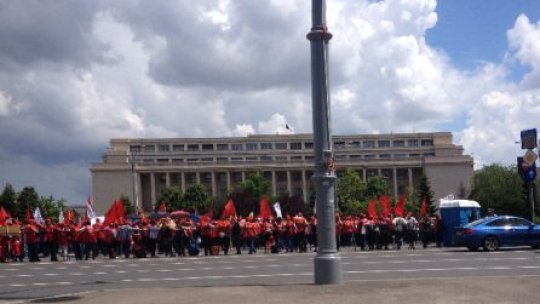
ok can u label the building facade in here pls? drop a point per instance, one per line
(141, 168)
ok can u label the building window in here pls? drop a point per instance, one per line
(222, 159)
(177, 160)
(399, 143)
(193, 160)
(148, 160)
(149, 148)
(222, 147)
(369, 144)
(355, 156)
(339, 145)
(281, 146)
(281, 158)
(237, 147)
(427, 142)
(163, 160)
(251, 158)
(177, 148)
(251, 146)
(194, 147)
(296, 146)
(164, 148)
(266, 146)
(309, 157)
(412, 143)
(369, 156)
(308, 145)
(400, 156)
(266, 158)
(207, 159)
(208, 147)
(355, 144)
(384, 156)
(414, 156)
(296, 157)
(383, 143)
(340, 156)
(237, 159)
(135, 148)
(429, 154)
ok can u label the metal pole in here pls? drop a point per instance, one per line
(531, 200)
(327, 262)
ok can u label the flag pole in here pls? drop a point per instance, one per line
(327, 262)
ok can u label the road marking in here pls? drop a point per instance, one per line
(529, 267)
(64, 283)
(61, 268)
(100, 273)
(16, 285)
(84, 266)
(24, 275)
(40, 284)
(164, 270)
(170, 279)
(120, 271)
(142, 271)
(110, 265)
(498, 268)
(77, 273)
(51, 274)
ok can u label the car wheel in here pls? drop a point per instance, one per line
(472, 248)
(491, 243)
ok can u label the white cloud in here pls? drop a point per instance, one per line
(232, 68)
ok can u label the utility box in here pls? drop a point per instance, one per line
(456, 213)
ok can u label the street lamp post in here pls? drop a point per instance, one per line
(327, 262)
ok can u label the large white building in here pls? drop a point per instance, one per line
(142, 167)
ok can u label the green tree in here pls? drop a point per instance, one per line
(173, 197)
(424, 192)
(128, 206)
(256, 186)
(8, 199)
(28, 200)
(376, 186)
(499, 187)
(350, 190)
(196, 199)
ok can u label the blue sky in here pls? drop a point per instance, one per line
(472, 31)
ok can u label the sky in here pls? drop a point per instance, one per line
(74, 74)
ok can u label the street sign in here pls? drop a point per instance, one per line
(530, 157)
(528, 139)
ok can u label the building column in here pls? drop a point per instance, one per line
(243, 176)
(198, 178)
(289, 182)
(138, 191)
(304, 187)
(183, 181)
(274, 188)
(153, 188)
(213, 184)
(167, 179)
(228, 181)
(364, 175)
(394, 184)
(411, 184)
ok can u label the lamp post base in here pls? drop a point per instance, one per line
(328, 269)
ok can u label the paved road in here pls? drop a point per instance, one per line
(45, 279)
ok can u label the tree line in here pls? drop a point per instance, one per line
(495, 186)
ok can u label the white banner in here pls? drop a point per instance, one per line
(277, 208)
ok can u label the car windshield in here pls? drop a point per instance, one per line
(480, 221)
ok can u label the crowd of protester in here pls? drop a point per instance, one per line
(186, 236)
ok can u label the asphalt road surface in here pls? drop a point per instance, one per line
(25, 281)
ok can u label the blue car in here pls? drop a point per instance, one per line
(493, 232)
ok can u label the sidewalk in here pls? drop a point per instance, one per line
(479, 290)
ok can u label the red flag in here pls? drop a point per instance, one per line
(423, 208)
(115, 213)
(385, 202)
(399, 210)
(229, 210)
(162, 207)
(264, 208)
(3, 215)
(372, 209)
